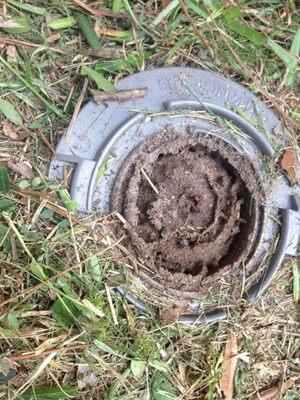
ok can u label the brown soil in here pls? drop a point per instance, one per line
(202, 222)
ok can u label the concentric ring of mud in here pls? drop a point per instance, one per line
(192, 205)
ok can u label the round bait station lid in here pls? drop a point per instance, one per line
(190, 168)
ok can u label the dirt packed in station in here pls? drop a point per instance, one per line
(192, 205)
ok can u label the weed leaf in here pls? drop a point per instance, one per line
(137, 367)
(6, 204)
(27, 7)
(63, 315)
(96, 270)
(101, 82)
(66, 199)
(161, 389)
(7, 371)
(62, 23)
(17, 25)
(62, 393)
(160, 366)
(105, 347)
(37, 269)
(4, 181)
(10, 112)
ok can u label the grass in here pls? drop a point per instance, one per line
(64, 331)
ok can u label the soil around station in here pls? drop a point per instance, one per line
(192, 205)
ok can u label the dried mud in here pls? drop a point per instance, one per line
(204, 220)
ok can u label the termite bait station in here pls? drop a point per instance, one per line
(186, 166)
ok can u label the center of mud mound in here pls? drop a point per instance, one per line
(192, 205)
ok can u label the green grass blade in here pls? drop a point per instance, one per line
(121, 63)
(116, 6)
(130, 12)
(62, 393)
(25, 99)
(283, 54)
(232, 12)
(88, 31)
(10, 85)
(296, 283)
(31, 88)
(288, 58)
(108, 349)
(244, 30)
(27, 7)
(102, 170)
(194, 5)
(62, 23)
(295, 48)
(118, 384)
(165, 12)
(214, 5)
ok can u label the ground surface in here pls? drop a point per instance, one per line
(64, 332)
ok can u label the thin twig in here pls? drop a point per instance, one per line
(29, 192)
(43, 137)
(149, 181)
(13, 245)
(29, 44)
(46, 142)
(98, 12)
(196, 30)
